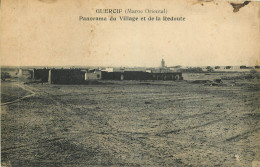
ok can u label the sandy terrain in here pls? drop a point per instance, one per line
(132, 123)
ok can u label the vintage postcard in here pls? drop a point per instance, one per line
(130, 83)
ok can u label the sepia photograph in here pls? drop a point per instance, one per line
(133, 83)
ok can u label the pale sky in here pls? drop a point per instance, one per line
(49, 33)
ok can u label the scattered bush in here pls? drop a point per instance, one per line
(210, 69)
(5, 75)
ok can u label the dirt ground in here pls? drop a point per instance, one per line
(132, 123)
(12, 91)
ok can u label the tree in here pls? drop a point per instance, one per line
(210, 69)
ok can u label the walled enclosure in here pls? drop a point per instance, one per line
(78, 76)
(66, 76)
(41, 74)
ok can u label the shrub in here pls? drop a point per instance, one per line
(5, 75)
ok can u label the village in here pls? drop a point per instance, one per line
(72, 75)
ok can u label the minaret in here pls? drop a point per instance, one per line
(162, 63)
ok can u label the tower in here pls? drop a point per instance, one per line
(162, 63)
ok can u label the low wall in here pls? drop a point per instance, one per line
(167, 76)
(66, 76)
(139, 75)
(111, 75)
(41, 74)
(93, 75)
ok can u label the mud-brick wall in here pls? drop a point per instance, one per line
(93, 75)
(137, 75)
(66, 76)
(111, 75)
(140, 75)
(41, 74)
(167, 76)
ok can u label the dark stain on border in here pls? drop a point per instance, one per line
(237, 6)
